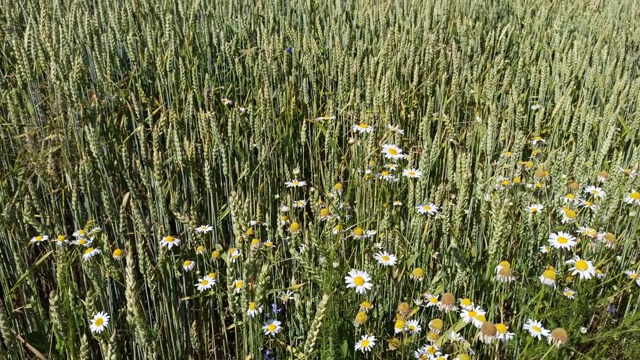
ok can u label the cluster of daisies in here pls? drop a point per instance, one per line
(82, 237)
(469, 313)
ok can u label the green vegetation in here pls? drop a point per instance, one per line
(482, 144)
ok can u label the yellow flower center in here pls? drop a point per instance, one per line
(412, 173)
(501, 328)
(294, 226)
(570, 196)
(536, 329)
(363, 126)
(337, 186)
(99, 322)
(169, 239)
(569, 213)
(385, 173)
(473, 313)
(399, 324)
(117, 252)
(249, 232)
(239, 284)
(385, 258)
(582, 265)
(61, 238)
(212, 275)
(358, 280)
(215, 254)
(365, 343)
(392, 151)
(534, 209)
(272, 327)
(562, 240)
(200, 248)
(633, 276)
(609, 237)
(255, 242)
(186, 263)
(324, 212)
(81, 232)
(432, 350)
(88, 250)
(252, 306)
(505, 182)
(38, 238)
(426, 207)
(204, 282)
(433, 300)
(549, 274)
(268, 244)
(635, 195)
(466, 302)
(358, 231)
(418, 272)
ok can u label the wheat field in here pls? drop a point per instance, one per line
(408, 179)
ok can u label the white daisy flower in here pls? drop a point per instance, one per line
(386, 175)
(79, 233)
(320, 118)
(295, 183)
(99, 322)
(61, 240)
(363, 128)
(432, 300)
(366, 343)
(597, 192)
(226, 101)
(253, 309)
(569, 293)
(203, 229)
(633, 197)
(188, 265)
(205, 283)
(397, 203)
(428, 208)
(299, 204)
(633, 275)
(536, 329)
(89, 253)
(169, 242)
(412, 173)
(392, 152)
(562, 240)
(588, 204)
(272, 327)
(39, 239)
(385, 259)
(359, 280)
(472, 315)
(548, 277)
(413, 326)
(534, 208)
(502, 332)
(86, 242)
(544, 249)
(238, 285)
(568, 215)
(582, 267)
